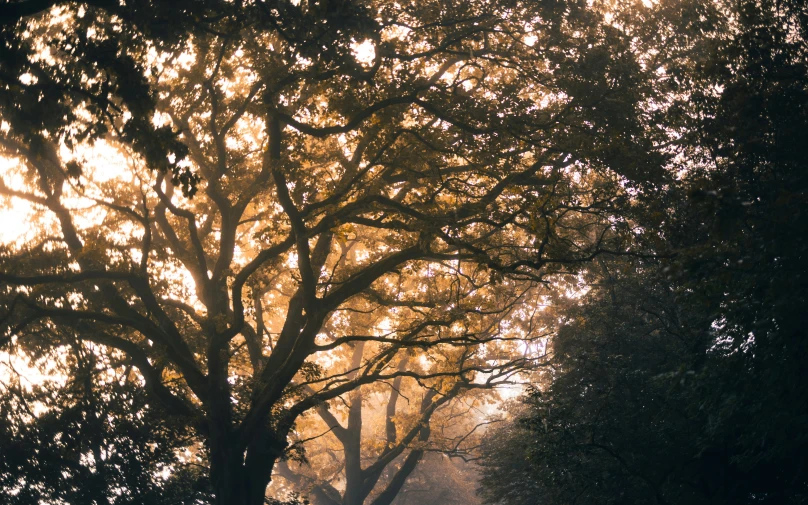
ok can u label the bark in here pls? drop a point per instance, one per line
(352, 442)
(243, 481)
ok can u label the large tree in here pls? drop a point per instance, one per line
(430, 164)
(682, 381)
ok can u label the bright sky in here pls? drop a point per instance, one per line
(15, 214)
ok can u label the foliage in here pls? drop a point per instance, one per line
(80, 74)
(680, 382)
(649, 404)
(434, 182)
(379, 193)
(91, 437)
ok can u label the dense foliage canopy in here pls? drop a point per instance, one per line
(681, 380)
(313, 238)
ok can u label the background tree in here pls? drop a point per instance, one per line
(489, 142)
(440, 479)
(369, 456)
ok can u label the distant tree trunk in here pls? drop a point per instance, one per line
(354, 476)
(410, 462)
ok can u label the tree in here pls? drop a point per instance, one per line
(94, 436)
(679, 381)
(649, 402)
(747, 253)
(373, 452)
(614, 424)
(440, 479)
(465, 150)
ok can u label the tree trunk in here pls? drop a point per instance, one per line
(238, 480)
(240, 485)
(229, 486)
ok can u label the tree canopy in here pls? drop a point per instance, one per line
(247, 223)
(678, 380)
(428, 165)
